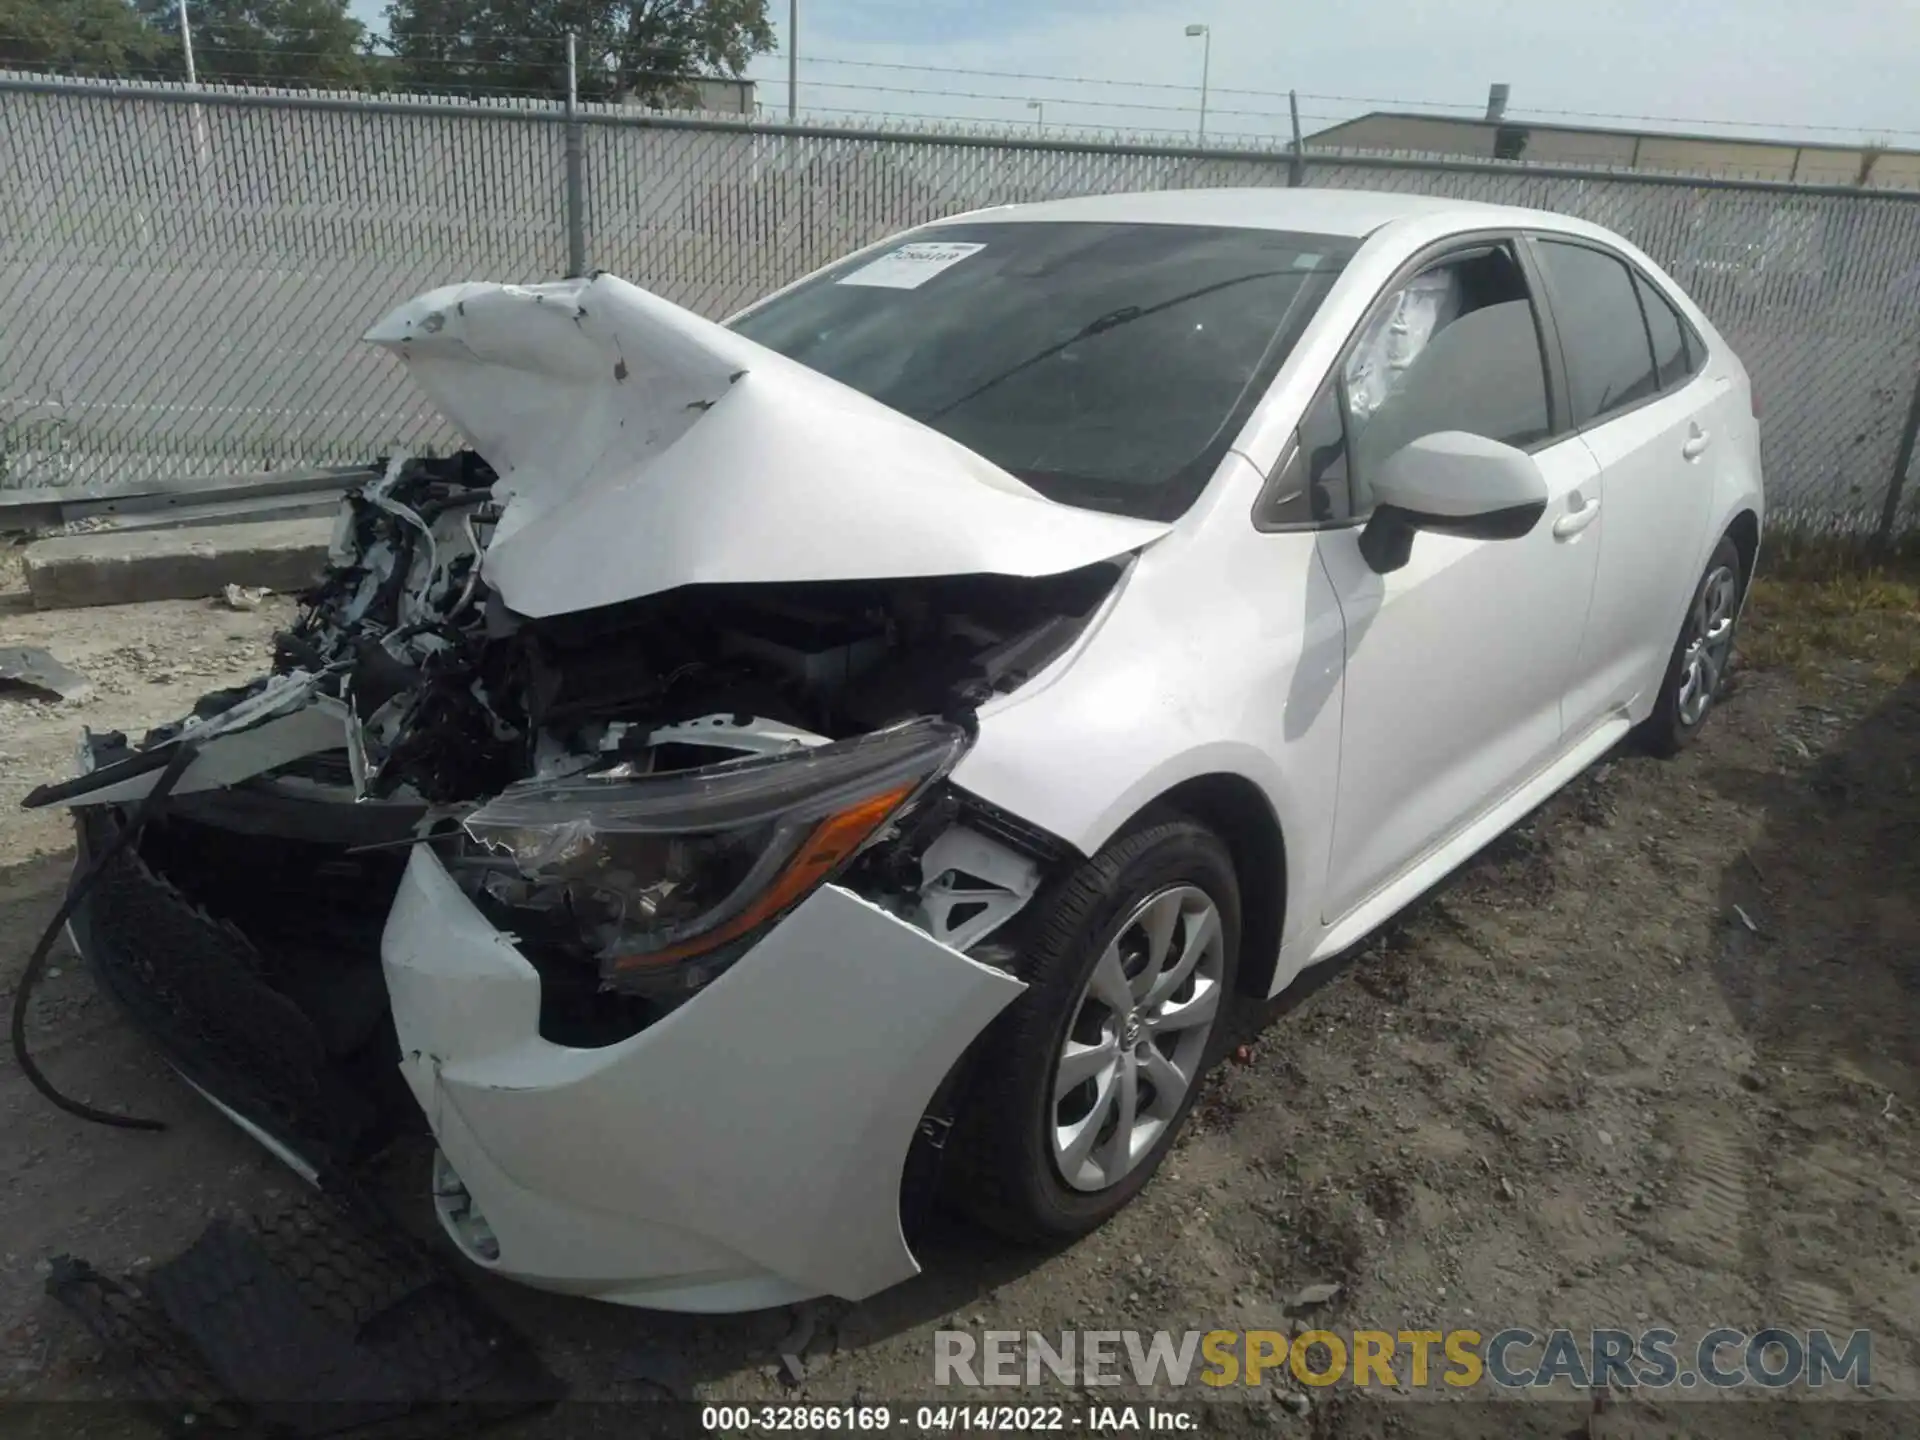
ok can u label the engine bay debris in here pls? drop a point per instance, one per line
(406, 684)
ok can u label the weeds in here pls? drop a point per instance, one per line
(1812, 605)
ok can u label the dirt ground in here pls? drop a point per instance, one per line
(1654, 1058)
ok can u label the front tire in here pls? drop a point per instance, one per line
(1697, 670)
(1083, 1083)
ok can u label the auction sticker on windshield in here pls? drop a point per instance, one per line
(911, 266)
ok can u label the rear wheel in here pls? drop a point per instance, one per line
(1698, 667)
(1083, 1083)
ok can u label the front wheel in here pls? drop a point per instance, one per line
(1698, 667)
(1084, 1081)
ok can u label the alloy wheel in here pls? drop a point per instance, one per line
(1137, 1038)
(1708, 645)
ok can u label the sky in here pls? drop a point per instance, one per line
(1837, 70)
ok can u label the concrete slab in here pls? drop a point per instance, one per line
(120, 567)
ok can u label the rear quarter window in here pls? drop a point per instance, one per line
(1672, 358)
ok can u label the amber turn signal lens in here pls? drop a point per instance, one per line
(826, 848)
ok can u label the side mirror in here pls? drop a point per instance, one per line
(1452, 483)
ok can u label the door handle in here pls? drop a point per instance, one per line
(1696, 444)
(1574, 521)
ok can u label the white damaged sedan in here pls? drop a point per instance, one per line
(789, 769)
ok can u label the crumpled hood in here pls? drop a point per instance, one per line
(641, 448)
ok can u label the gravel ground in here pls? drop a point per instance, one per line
(1654, 1058)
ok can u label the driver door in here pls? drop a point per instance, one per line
(1457, 663)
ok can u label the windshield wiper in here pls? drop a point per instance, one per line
(1112, 320)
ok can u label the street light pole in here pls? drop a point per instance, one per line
(186, 44)
(1039, 108)
(793, 59)
(1205, 33)
(193, 82)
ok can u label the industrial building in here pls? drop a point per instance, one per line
(1495, 137)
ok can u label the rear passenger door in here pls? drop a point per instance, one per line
(1638, 395)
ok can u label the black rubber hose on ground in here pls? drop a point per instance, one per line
(150, 806)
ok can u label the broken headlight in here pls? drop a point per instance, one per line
(662, 875)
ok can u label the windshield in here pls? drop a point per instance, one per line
(1108, 366)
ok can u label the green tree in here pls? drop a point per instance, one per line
(627, 49)
(312, 43)
(80, 37)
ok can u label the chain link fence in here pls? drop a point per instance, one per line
(184, 277)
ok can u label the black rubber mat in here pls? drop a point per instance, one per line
(290, 1363)
(174, 1384)
(309, 1323)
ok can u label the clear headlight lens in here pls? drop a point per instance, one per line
(659, 871)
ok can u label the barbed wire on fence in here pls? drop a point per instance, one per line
(893, 122)
(385, 48)
(944, 124)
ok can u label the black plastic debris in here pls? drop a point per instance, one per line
(313, 1322)
(28, 667)
(174, 1384)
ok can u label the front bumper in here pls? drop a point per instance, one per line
(206, 997)
(746, 1150)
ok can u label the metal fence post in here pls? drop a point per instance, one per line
(1296, 156)
(576, 165)
(1902, 460)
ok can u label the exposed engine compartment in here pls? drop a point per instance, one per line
(455, 697)
(448, 706)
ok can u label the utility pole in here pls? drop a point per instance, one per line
(793, 59)
(1296, 157)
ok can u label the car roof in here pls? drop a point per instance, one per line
(1355, 213)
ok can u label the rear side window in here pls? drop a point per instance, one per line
(1602, 332)
(1669, 341)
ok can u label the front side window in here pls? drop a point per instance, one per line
(1107, 365)
(1457, 348)
(1609, 356)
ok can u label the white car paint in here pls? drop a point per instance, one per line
(748, 1149)
(742, 1152)
(642, 448)
(284, 722)
(1662, 497)
(1488, 716)
(1289, 633)
(1393, 724)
